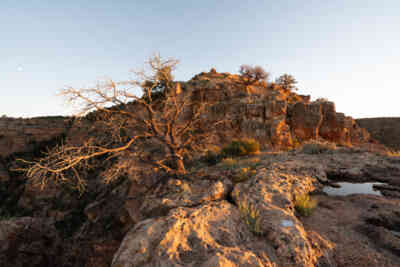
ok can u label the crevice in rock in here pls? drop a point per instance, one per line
(229, 197)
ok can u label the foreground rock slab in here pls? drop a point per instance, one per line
(211, 235)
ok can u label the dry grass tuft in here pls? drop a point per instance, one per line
(304, 205)
(251, 217)
(318, 147)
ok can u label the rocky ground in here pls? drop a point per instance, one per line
(237, 214)
(210, 229)
(206, 220)
(212, 218)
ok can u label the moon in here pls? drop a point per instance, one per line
(20, 68)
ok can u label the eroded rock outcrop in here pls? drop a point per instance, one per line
(22, 135)
(274, 116)
(272, 193)
(210, 235)
(319, 119)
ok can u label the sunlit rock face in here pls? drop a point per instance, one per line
(274, 116)
(319, 119)
(210, 235)
(214, 232)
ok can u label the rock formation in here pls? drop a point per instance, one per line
(208, 218)
(274, 116)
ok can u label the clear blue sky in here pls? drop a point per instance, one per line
(345, 50)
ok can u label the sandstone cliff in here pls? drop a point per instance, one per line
(272, 115)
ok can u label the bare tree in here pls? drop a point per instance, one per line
(129, 127)
(287, 81)
(251, 75)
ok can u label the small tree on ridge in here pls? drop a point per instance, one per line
(287, 81)
(251, 75)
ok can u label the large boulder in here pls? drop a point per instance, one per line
(216, 233)
(209, 235)
(272, 193)
(173, 194)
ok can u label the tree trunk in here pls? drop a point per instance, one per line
(180, 166)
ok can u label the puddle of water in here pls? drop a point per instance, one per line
(287, 223)
(352, 188)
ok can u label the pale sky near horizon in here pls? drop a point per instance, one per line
(344, 50)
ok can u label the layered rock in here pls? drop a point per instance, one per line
(22, 135)
(274, 116)
(384, 130)
(319, 119)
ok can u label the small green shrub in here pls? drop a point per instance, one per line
(318, 147)
(211, 157)
(296, 142)
(304, 205)
(241, 147)
(4, 215)
(244, 174)
(251, 217)
(229, 163)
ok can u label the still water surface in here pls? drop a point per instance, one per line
(352, 188)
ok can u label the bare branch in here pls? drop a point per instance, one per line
(126, 128)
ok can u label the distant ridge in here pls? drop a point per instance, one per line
(384, 130)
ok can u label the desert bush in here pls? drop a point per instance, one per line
(241, 147)
(244, 174)
(4, 215)
(318, 147)
(287, 82)
(251, 75)
(304, 205)
(296, 142)
(251, 217)
(229, 163)
(211, 157)
(322, 99)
